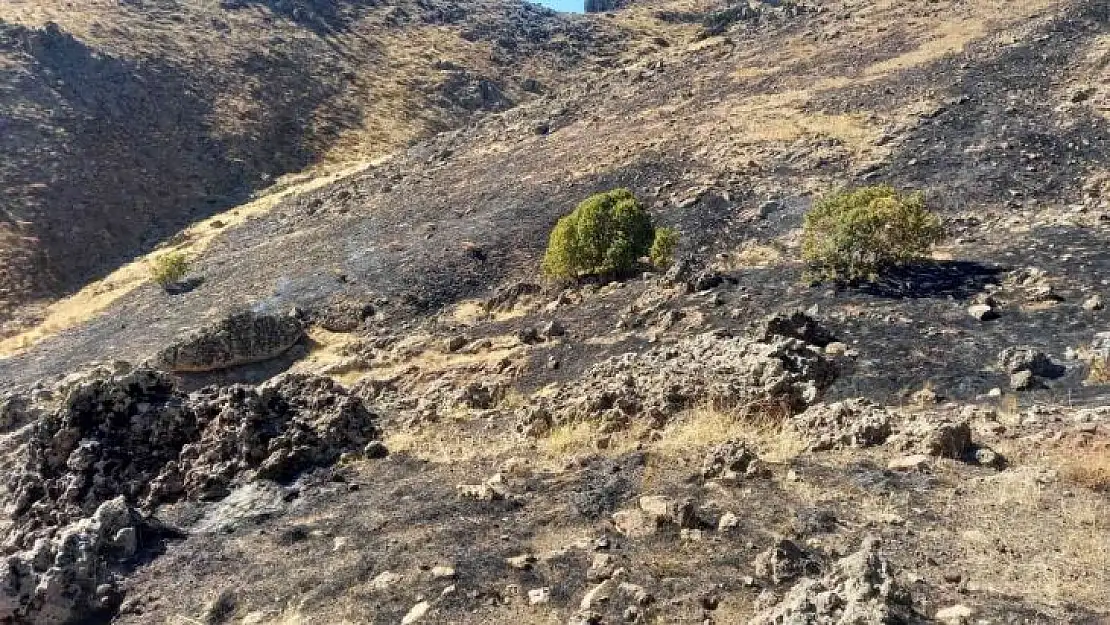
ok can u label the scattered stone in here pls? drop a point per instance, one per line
(728, 522)
(522, 562)
(443, 572)
(416, 613)
(1025, 358)
(375, 450)
(529, 336)
(238, 339)
(552, 330)
(667, 511)
(539, 596)
(636, 593)
(479, 492)
(600, 594)
(1093, 303)
(730, 461)
(455, 343)
(860, 588)
(945, 439)
(601, 568)
(220, 609)
(344, 316)
(385, 580)
(633, 523)
(783, 562)
(983, 312)
(1022, 381)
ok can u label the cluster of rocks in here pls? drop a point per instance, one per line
(843, 424)
(919, 437)
(1027, 367)
(859, 588)
(98, 464)
(774, 365)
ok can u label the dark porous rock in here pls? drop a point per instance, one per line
(73, 573)
(506, 297)
(783, 562)
(730, 460)
(97, 461)
(1025, 358)
(344, 316)
(795, 324)
(239, 339)
(280, 429)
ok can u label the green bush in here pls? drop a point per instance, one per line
(169, 269)
(854, 235)
(605, 235)
(663, 247)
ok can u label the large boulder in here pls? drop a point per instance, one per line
(238, 339)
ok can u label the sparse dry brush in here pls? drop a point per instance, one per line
(857, 235)
(169, 269)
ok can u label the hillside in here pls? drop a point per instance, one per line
(124, 122)
(367, 406)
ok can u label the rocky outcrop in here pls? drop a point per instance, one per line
(117, 446)
(859, 589)
(238, 339)
(713, 368)
(70, 576)
(849, 423)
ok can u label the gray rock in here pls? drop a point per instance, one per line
(1093, 303)
(342, 316)
(783, 562)
(706, 368)
(238, 339)
(982, 312)
(796, 324)
(730, 460)
(859, 589)
(848, 423)
(1023, 380)
(1020, 359)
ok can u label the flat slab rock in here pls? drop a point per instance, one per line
(238, 339)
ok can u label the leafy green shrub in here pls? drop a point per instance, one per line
(169, 269)
(663, 247)
(858, 234)
(605, 235)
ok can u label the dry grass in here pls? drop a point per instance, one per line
(1098, 371)
(98, 296)
(1089, 468)
(750, 255)
(1026, 539)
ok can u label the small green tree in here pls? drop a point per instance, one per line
(169, 269)
(663, 247)
(605, 235)
(854, 235)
